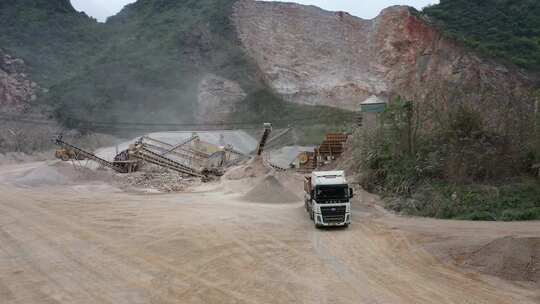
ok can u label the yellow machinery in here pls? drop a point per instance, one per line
(68, 154)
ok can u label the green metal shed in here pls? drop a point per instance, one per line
(373, 104)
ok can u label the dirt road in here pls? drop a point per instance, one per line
(91, 243)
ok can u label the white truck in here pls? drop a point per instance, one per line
(328, 198)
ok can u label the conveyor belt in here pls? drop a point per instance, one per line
(146, 155)
(264, 138)
(91, 156)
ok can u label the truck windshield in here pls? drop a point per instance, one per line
(332, 192)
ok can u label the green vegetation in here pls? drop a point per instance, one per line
(451, 158)
(264, 105)
(456, 167)
(51, 36)
(518, 200)
(310, 123)
(508, 29)
(143, 65)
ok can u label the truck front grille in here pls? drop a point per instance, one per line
(334, 214)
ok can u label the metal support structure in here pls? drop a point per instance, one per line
(141, 152)
(187, 141)
(264, 138)
(120, 169)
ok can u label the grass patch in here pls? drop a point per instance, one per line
(514, 201)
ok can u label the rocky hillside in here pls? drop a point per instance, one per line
(209, 60)
(16, 89)
(53, 38)
(311, 56)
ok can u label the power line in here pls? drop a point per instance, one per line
(140, 126)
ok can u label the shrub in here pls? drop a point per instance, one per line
(458, 168)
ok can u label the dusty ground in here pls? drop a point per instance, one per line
(88, 242)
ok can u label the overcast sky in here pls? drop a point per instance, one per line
(367, 9)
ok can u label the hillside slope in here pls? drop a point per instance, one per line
(507, 29)
(311, 56)
(209, 60)
(157, 61)
(16, 89)
(151, 67)
(53, 38)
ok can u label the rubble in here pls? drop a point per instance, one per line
(162, 181)
(17, 90)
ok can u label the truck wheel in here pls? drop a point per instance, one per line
(346, 226)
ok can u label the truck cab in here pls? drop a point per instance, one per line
(327, 198)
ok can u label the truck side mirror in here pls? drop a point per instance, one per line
(351, 193)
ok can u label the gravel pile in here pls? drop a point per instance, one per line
(11, 158)
(511, 258)
(161, 181)
(61, 174)
(252, 169)
(270, 191)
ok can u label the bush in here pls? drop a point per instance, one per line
(517, 200)
(506, 29)
(457, 169)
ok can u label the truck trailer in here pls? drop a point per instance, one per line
(328, 198)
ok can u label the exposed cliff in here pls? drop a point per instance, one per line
(218, 98)
(312, 56)
(17, 90)
(151, 62)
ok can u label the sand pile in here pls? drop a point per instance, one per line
(11, 158)
(270, 190)
(254, 168)
(516, 259)
(60, 174)
(43, 176)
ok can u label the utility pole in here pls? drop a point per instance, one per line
(536, 122)
(536, 113)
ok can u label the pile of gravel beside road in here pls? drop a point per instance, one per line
(271, 191)
(511, 258)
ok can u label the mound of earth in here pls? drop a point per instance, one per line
(11, 158)
(270, 190)
(515, 259)
(60, 174)
(254, 168)
(161, 181)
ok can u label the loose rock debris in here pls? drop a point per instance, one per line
(160, 181)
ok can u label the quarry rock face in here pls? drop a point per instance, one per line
(311, 56)
(218, 98)
(16, 89)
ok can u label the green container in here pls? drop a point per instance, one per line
(373, 104)
(373, 107)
